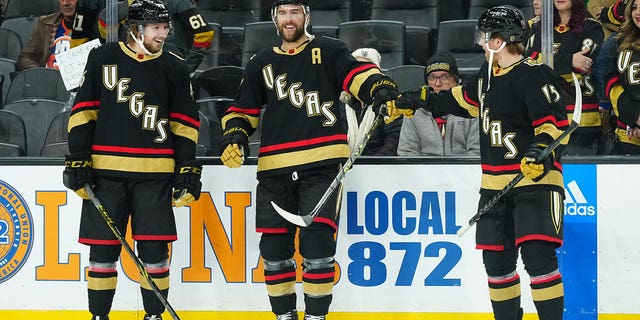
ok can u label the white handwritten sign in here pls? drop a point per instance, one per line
(71, 63)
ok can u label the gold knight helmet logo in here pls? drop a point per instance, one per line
(16, 231)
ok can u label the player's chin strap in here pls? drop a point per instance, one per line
(140, 41)
(491, 53)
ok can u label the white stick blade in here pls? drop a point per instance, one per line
(293, 218)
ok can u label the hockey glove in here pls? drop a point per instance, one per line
(384, 92)
(77, 172)
(414, 98)
(235, 147)
(187, 185)
(534, 168)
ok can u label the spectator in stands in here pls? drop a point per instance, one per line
(449, 135)
(191, 36)
(622, 88)
(384, 139)
(578, 40)
(50, 36)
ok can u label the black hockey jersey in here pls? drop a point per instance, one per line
(134, 114)
(298, 93)
(522, 106)
(623, 90)
(565, 44)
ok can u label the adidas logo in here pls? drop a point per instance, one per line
(575, 203)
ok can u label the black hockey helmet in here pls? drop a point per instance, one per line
(506, 20)
(148, 11)
(276, 3)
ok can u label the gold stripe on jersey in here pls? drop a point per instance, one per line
(459, 96)
(296, 158)
(80, 118)
(162, 283)
(180, 129)
(253, 121)
(545, 294)
(131, 164)
(589, 118)
(358, 80)
(504, 294)
(139, 57)
(614, 95)
(549, 129)
(497, 182)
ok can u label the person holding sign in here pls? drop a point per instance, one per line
(132, 136)
(51, 36)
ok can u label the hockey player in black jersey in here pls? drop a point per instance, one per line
(293, 90)
(132, 135)
(521, 112)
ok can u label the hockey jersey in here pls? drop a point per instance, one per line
(565, 44)
(623, 90)
(134, 114)
(297, 92)
(522, 106)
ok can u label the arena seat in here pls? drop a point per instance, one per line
(41, 83)
(22, 25)
(457, 37)
(56, 139)
(478, 7)
(230, 13)
(257, 36)
(10, 44)
(37, 115)
(388, 37)
(407, 76)
(36, 8)
(13, 134)
(326, 15)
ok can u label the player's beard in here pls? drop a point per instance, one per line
(152, 46)
(291, 37)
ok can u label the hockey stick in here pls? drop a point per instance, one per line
(306, 220)
(127, 247)
(575, 122)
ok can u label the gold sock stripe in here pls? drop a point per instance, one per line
(317, 289)
(161, 283)
(544, 294)
(102, 283)
(281, 289)
(504, 294)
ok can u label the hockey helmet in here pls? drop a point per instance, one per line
(276, 3)
(148, 11)
(506, 20)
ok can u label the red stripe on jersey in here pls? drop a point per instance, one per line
(304, 143)
(98, 241)
(610, 84)
(185, 118)
(251, 111)
(509, 167)
(280, 276)
(585, 107)
(86, 104)
(469, 100)
(551, 119)
(352, 74)
(542, 237)
(490, 247)
(271, 230)
(326, 275)
(165, 151)
(156, 237)
(326, 221)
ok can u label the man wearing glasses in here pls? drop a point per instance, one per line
(449, 135)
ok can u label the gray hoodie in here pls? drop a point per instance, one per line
(420, 136)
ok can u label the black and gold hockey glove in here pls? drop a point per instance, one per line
(384, 93)
(234, 147)
(415, 98)
(77, 172)
(187, 185)
(534, 168)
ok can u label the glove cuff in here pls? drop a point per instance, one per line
(383, 82)
(234, 130)
(186, 169)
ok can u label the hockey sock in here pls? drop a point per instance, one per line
(159, 273)
(504, 292)
(317, 282)
(101, 287)
(548, 295)
(280, 278)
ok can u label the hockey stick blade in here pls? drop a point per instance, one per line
(575, 123)
(306, 220)
(143, 272)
